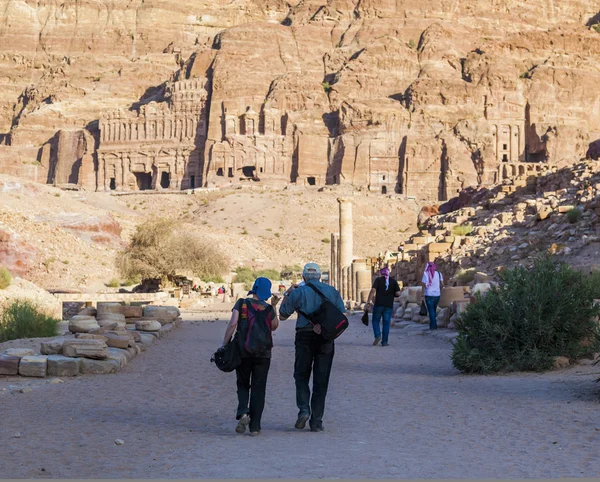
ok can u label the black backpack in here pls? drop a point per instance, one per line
(333, 322)
(255, 336)
(227, 358)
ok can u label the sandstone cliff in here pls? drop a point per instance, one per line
(419, 97)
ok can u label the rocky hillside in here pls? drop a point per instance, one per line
(483, 231)
(68, 239)
(432, 94)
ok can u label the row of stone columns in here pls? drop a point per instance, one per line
(352, 278)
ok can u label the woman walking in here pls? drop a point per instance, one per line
(432, 282)
(254, 320)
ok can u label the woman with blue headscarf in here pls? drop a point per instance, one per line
(254, 369)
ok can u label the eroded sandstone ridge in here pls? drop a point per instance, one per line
(419, 97)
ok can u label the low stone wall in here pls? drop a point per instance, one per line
(98, 342)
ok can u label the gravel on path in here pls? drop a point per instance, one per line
(400, 411)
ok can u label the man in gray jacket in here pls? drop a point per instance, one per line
(313, 352)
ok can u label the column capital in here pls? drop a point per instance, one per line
(343, 200)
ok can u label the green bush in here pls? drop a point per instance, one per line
(132, 280)
(594, 282)
(462, 230)
(162, 249)
(534, 316)
(247, 275)
(24, 319)
(5, 278)
(465, 276)
(574, 215)
(113, 283)
(326, 240)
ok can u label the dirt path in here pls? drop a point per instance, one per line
(400, 411)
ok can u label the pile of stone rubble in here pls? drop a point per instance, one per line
(557, 212)
(99, 341)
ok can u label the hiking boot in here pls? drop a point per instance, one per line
(317, 429)
(243, 423)
(377, 340)
(385, 344)
(254, 434)
(301, 422)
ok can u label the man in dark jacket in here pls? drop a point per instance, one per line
(313, 352)
(384, 290)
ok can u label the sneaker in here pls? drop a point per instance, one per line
(317, 429)
(254, 434)
(377, 340)
(385, 344)
(301, 422)
(243, 423)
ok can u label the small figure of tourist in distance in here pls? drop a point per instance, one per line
(432, 283)
(313, 353)
(384, 290)
(254, 320)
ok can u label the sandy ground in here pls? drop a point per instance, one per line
(52, 231)
(400, 411)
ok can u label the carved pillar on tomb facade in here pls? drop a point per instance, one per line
(101, 184)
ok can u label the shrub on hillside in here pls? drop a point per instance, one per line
(24, 319)
(574, 215)
(462, 230)
(5, 278)
(465, 276)
(534, 316)
(246, 275)
(113, 283)
(161, 249)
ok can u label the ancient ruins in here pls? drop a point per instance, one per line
(412, 98)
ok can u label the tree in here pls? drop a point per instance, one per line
(161, 249)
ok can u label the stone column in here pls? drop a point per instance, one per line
(333, 271)
(338, 266)
(357, 267)
(346, 243)
(363, 282)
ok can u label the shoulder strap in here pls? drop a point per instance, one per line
(314, 288)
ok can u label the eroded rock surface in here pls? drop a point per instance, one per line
(421, 97)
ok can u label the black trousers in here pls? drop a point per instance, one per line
(313, 353)
(251, 386)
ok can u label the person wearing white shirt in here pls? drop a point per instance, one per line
(432, 282)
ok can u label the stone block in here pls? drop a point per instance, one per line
(9, 365)
(62, 366)
(78, 347)
(90, 336)
(115, 340)
(52, 347)
(133, 311)
(19, 352)
(122, 356)
(88, 366)
(147, 325)
(147, 339)
(481, 288)
(415, 294)
(82, 325)
(565, 209)
(544, 212)
(162, 314)
(88, 311)
(439, 247)
(450, 294)
(33, 366)
(166, 328)
(110, 308)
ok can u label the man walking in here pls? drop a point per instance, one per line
(313, 352)
(384, 290)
